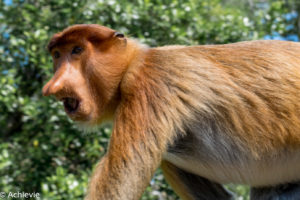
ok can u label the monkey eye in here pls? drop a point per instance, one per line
(56, 54)
(76, 50)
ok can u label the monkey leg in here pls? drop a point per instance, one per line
(192, 187)
(290, 191)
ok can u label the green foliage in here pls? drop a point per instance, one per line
(41, 150)
(64, 185)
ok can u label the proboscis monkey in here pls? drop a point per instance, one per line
(208, 115)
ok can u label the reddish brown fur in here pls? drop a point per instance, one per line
(93, 33)
(153, 95)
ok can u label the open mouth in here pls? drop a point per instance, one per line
(71, 104)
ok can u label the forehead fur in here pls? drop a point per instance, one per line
(78, 32)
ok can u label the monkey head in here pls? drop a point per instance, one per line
(89, 62)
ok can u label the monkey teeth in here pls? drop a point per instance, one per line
(70, 104)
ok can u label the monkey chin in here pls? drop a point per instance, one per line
(89, 120)
(85, 123)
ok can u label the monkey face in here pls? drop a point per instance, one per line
(88, 62)
(69, 84)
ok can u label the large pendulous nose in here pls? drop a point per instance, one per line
(52, 87)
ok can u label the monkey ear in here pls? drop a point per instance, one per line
(119, 35)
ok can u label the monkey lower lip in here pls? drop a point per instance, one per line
(70, 104)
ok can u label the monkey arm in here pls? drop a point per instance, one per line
(134, 153)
